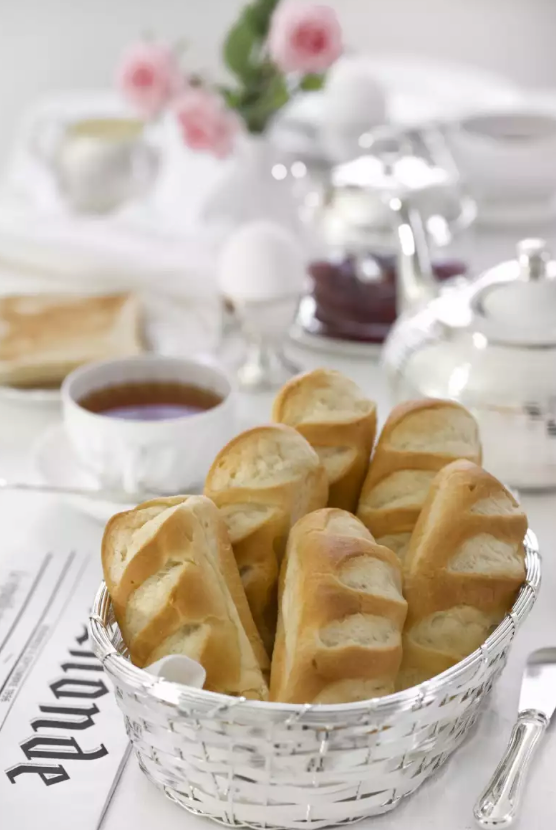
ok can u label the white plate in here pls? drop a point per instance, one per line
(300, 334)
(55, 463)
(172, 327)
(516, 214)
(418, 90)
(333, 346)
(30, 397)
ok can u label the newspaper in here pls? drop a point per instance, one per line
(62, 737)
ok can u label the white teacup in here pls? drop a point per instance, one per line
(161, 456)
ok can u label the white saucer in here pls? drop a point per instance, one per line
(55, 462)
(301, 334)
(512, 214)
(334, 346)
(172, 326)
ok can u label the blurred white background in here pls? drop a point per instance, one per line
(51, 45)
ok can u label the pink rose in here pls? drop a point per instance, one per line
(206, 123)
(304, 38)
(149, 77)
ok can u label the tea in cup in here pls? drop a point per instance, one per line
(148, 423)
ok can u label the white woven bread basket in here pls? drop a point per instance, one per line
(252, 764)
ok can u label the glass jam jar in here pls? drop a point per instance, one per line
(353, 277)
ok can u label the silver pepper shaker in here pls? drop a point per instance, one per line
(262, 274)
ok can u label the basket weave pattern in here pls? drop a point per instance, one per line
(253, 764)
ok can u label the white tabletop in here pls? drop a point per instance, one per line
(442, 804)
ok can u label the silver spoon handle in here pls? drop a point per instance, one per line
(117, 496)
(498, 805)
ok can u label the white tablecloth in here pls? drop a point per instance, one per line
(442, 804)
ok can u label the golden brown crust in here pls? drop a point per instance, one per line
(418, 439)
(341, 613)
(175, 588)
(336, 418)
(464, 566)
(263, 481)
(45, 336)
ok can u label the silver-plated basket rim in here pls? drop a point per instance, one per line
(414, 698)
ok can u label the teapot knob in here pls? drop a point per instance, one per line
(533, 257)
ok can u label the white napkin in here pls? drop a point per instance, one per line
(157, 242)
(178, 668)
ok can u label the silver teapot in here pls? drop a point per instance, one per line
(488, 342)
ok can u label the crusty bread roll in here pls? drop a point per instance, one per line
(263, 481)
(341, 614)
(418, 439)
(339, 421)
(175, 589)
(464, 566)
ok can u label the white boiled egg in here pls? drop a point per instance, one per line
(261, 261)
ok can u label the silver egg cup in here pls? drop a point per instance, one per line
(264, 327)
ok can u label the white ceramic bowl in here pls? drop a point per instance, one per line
(507, 155)
(166, 456)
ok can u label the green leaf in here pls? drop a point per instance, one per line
(311, 83)
(238, 48)
(245, 41)
(259, 14)
(232, 97)
(258, 106)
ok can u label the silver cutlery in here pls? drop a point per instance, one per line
(95, 494)
(499, 804)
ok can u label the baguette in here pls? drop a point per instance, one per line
(339, 421)
(263, 481)
(175, 589)
(463, 569)
(341, 614)
(418, 439)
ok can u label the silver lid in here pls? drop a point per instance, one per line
(355, 212)
(515, 302)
